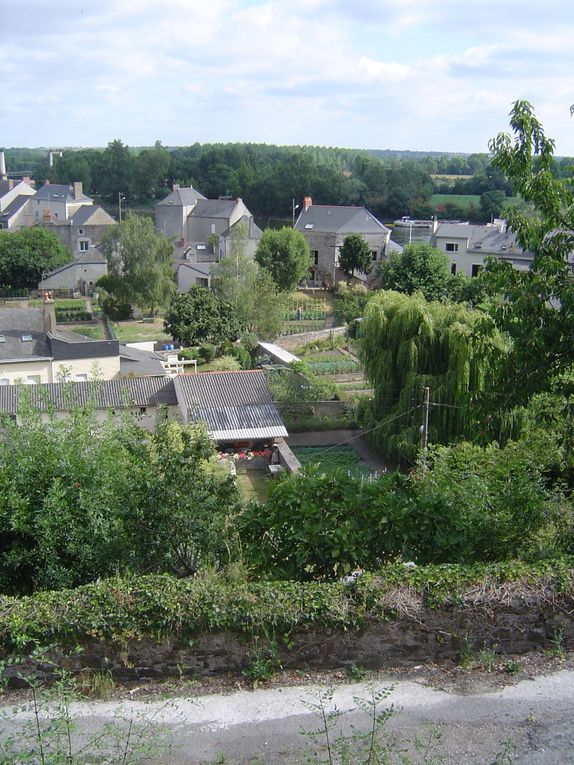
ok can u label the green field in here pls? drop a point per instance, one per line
(95, 331)
(464, 199)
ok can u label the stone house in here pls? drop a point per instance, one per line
(325, 228)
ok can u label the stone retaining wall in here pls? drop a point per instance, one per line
(293, 341)
(521, 625)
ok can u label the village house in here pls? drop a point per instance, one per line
(204, 231)
(33, 350)
(468, 246)
(325, 227)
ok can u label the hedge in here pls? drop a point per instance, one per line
(159, 606)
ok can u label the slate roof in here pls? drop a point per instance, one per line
(14, 206)
(102, 394)
(83, 214)
(59, 192)
(339, 219)
(135, 361)
(182, 197)
(486, 239)
(213, 208)
(235, 406)
(16, 323)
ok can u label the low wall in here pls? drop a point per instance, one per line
(427, 635)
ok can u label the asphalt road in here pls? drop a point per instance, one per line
(530, 723)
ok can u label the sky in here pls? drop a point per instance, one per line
(424, 75)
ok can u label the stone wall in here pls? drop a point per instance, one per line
(516, 625)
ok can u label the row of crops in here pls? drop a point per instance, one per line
(342, 457)
(297, 327)
(333, 367)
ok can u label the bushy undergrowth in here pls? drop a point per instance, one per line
(158, 606)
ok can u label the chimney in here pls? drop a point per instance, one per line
(307, 202)
(49, 310)
(78, 189)
(3, 175)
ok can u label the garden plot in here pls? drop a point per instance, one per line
(341, 457)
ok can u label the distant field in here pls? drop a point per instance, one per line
(464, 199)
(444, 177)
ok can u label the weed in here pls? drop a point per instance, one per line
(264, 661)
(466, 656)
(357, 673)
(486, 659)
(506, 754)
(95, 685)
(556, 648)
(512, 667)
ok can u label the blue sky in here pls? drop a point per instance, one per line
(423, 75)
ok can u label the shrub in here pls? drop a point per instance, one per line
(207, 352)
(187, 354)
(225, 364)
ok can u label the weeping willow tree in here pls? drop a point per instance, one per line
(407, 343)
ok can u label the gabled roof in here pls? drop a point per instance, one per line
(91, 215)
(338, 219)
(102, 394)
(140, 363)
(182, 197)
(15, 206)
(253, 230)
(59, 192)
(214, 208)
(234, 405)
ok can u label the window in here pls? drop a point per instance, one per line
(476, 269)
(315, 256)
(373, 254)
(451, 247)
(2, 338)
(82, 378)
(213, 228)
(4, 381)
(33, 380)
(83, 245)
(309, 225)
(81, 231)
(453, 268)
(26, 338)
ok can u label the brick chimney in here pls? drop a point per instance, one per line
(78, 189)
(307, 202)
(49, 311)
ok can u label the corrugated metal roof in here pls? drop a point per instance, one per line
(234, 405)
(102, 394)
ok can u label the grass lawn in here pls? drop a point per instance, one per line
(139, 331)
(253, 484)
(95, 331)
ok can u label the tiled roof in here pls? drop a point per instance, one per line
(102, 394)
(234, 405)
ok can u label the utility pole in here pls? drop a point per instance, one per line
(425, 425)
(294, 207)
(121, 198)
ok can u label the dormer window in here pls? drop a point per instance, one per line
(309, 225)
(26, 338)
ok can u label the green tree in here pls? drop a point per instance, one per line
(139, 265)
(419, 268)
(407, 343)
(355, 255)
(200, 316)
(117, 171)
(285, 254)
(491, 203)
(250, 289)
(536, 307)
(26, 255)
